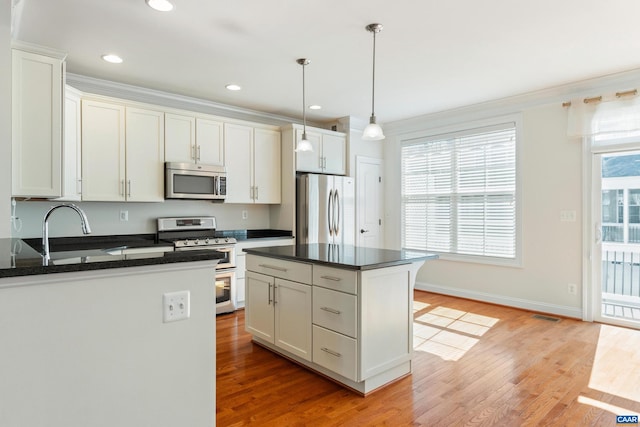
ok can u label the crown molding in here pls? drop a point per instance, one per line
(615, 82)
(156, 97)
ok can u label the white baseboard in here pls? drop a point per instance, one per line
(537, 306)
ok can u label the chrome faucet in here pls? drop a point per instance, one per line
(86, 229)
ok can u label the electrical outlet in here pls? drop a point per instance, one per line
(245, 214)
(572, 288)
(176, 306)
(124, 215)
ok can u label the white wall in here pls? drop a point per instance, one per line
(5, 117)
(551, 178)
(104, 218)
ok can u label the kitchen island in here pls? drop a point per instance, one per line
(342, 311)
(85, 342)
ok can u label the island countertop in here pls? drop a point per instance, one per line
(343, 256)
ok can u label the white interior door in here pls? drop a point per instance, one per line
(369, 202)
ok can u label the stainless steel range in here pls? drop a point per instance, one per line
(199, 233)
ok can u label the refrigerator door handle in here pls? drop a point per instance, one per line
(330, 213)
(336, 218)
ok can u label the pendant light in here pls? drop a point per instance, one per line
(304, 144)
(373, 131)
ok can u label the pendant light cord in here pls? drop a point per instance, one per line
(304, 106)
(373, 80)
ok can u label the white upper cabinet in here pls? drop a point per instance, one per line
(103, 151)
(191, 139)
(329, 152)
(122, 152)
(37, 102)
(252, 159)
(144, 155)
(71, 147)
(209, 142)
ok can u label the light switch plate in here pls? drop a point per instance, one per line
(176, 306)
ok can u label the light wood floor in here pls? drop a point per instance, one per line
(475, 364)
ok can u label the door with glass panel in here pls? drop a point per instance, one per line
(616, 252)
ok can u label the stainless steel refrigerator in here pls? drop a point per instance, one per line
(325, 209)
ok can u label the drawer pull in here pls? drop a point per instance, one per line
(331, 352)
(334, 279)
(273, 267)
(330, 310)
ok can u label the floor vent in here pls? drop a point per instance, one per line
(547, 318)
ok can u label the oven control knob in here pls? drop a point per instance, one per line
(196, 242)
(217, 240)
(206, 241)
(226, 240)
(186, 242)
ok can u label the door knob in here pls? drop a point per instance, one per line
(362, 230)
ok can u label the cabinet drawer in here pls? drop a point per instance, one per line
(335, 310)
(335, 352)
(296, 271)
(335, 278)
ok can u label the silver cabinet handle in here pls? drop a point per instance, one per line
(324, 163)
(193, 152)
(331, 352)
(273, 267)
(335, 279)
(269, 294)
(252, 192)
(79, 186)
(198, 157)
(256, 192)
(129, 188)
(330, 310)
(320, 163)
(122, 188)
(274, 294)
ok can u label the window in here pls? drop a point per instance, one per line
(459, 192)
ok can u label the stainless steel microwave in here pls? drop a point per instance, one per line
(195, 181)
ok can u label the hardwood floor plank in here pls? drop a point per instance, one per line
(475, 364)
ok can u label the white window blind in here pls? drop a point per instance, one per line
(459, 192)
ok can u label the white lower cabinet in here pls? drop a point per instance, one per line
(278, 311)
(361, 322)
(335, 352)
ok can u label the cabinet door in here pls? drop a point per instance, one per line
(266, 153)
(179, 138)
(293, 317)
(239, 163)
(309, 161)
(36, 125)
(333, 151)
(259, 309)
(103, 151)
(71, 148)
(209, 142)
(144, 155)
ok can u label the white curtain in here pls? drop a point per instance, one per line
(611, 119)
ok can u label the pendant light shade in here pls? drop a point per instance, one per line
(304, 144)
(373, 131)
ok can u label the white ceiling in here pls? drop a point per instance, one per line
(431, 55)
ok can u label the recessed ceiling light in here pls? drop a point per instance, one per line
(233, 87)
(315, 107)
(114, 59)
(160, 5)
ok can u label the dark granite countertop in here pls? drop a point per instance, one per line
(17, 258)
(343, 256)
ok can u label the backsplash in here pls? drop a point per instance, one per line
(104, 217)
